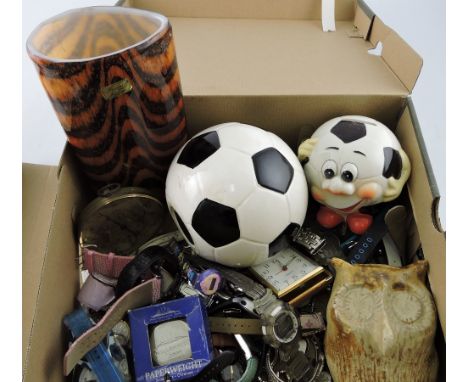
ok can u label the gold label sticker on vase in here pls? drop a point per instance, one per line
(116, 89)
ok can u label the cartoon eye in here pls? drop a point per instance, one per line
(329, 169)
(348, 172)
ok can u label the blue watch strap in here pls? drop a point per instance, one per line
(99, 359)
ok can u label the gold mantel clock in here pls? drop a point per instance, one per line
(292, 276)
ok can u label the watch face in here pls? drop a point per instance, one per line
(285, 270)
(121, 224)
(285, 327)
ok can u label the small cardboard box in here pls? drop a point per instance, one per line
(261, 62)
(192, 312)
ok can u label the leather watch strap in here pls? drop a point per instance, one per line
(106, 264)
(229, 325)
(142, 263)
(212, 370)
(144, 294)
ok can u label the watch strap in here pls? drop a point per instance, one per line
(106, 264)
(363, 250)
(99, 359)
(144, 294)
(136, 269)
(229, 325)
(212, 370)
(94, 294)
(251, 288)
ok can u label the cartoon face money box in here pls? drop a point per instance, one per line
(352, 162)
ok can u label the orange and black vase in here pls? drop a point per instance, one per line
(112, 77)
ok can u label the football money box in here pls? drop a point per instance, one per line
(352, 162)
(234, 189)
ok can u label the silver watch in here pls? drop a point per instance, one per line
(280, 324)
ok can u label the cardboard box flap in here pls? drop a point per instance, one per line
(397, 54)
(58, 285)
(245, 9)
(272, 48)
(39, 194)
(424, 198)
(363, 19)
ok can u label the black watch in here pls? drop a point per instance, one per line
(151, 258)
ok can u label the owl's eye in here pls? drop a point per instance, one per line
(329, 169)
(407, 307)
(356, 305)
(349, 172)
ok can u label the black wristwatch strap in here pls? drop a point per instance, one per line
(212, 370)
(142, 263)
(363, 250)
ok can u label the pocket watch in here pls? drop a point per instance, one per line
(292, 276)
(120, 220)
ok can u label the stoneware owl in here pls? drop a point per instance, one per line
(352, 162)
(381, 323)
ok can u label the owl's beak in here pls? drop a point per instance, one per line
(385, 339)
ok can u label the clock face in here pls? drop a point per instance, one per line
(284, 269)
(121, 226)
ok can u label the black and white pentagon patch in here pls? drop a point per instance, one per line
(349, 131)
(272, 170)
(216, 223)
(392, 163)
(198, 149)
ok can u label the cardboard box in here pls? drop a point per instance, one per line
(261, 62)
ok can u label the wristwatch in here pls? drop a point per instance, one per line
(305, 363)
(280, 324)
(149, 258)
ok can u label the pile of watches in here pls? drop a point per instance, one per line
(254, 335)
(164, 313)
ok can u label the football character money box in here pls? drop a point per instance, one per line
(352, 162)
(232, 190)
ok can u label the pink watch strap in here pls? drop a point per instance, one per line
(144, 294)
(106, 264)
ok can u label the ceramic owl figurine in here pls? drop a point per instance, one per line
(381, 323)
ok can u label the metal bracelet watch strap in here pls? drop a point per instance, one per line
(251, 288)
(144, 294)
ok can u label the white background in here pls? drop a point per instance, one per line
(420, 22)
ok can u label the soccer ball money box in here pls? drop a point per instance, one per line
(352, 162)
(234, 189)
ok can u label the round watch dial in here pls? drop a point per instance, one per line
(121, 222)
(285, 327)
